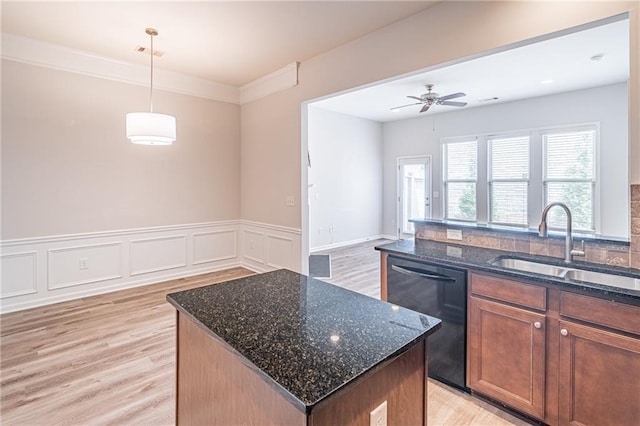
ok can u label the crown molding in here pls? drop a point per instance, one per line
(279, 80)
(49, 55)
(39, 53)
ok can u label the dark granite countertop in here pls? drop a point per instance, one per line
(309, 337)
(480, 258)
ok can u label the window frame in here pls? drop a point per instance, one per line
(445, 180)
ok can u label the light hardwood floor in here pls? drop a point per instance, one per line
(110, 359)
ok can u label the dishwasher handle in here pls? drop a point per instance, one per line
(422, 273)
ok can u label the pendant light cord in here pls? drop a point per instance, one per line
(151, 87)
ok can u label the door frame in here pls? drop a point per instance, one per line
(428, 189)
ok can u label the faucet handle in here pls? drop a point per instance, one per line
(580, 252)
(542, 229)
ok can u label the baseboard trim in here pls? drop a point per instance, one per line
(350, 242)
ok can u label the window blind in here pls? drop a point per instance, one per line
(508, 180)
(569, 176)
(460, 175)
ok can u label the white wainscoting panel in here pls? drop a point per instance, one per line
(158, 254)
(41, 271)
(280, 252)
(253, 246)
(72, 266)
(19, 274)
(215, 246)
(268, 247)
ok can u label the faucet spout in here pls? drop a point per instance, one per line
(569, 252)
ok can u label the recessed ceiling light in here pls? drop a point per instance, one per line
(597, 58)
(546, 81)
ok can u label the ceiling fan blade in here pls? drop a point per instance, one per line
(450, 103)
(416, 98)
(425, 108)
(402, 106)
(452, 96)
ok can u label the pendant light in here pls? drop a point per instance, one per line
(149, 128)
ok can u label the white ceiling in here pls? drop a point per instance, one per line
(509, 75)
(236, 42)
(230, 42)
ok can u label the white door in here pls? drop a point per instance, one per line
(414, 193)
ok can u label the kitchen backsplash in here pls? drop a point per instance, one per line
(597, 252)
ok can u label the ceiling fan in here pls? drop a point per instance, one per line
(431, 98)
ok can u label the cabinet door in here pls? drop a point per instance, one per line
(599, 377)
(507, 355)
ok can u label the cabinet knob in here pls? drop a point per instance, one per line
(537, 324)
(564, 332)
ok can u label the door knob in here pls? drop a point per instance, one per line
(537, 324)
(564, 332)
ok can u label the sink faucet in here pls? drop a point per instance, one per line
(569, 252)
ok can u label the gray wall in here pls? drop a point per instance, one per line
(606, 105)
(345, 201)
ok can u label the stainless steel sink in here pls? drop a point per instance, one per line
(530, 266)
(568, 273)
(603, 278)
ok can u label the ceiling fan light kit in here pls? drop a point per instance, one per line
(431, 98)
(149, 128)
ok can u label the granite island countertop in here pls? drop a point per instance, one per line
(309, 337)
(480, 258)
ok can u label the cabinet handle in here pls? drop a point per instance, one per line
(564, 332)
(537, 324)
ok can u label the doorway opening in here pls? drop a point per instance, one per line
(414, 193)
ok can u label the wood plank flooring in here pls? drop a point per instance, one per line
(110, 359)
(356, 267)
(107, 359)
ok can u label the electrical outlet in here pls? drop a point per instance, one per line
(378, 417)
(291, 201)
(454, 234)
(84, 263)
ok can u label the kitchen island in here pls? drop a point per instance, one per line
(283, 348)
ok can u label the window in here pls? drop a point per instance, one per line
(569, 176)
(460, 176)
(508, 173)
(506, 179)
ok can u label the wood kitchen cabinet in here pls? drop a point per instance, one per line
(506, 347)
(599, 364)
(599, 377)
(558, 356)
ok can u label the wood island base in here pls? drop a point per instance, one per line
(216, 386)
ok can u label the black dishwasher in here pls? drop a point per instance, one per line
(440, 292)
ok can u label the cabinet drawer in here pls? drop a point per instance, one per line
(527, 295)
(600, 311)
